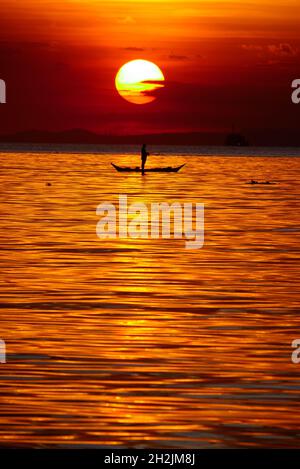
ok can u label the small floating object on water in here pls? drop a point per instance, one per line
(48, 184)
(258, 182)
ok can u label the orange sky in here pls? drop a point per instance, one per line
(224, 61)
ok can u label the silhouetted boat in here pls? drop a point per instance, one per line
(137, 169)
(236, 139)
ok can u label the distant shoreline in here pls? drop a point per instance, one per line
(156, 150)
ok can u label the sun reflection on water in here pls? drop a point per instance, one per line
(141, 343)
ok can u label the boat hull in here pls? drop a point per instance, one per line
(169, 169)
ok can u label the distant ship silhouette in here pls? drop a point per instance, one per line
(236, 139)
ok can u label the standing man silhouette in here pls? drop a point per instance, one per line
(144, 155)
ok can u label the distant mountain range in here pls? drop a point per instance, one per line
(81, 136)
(85, 136)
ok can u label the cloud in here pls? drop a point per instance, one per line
(134, 49)
(277, 50)
(283, 50)
(126, 20)
(252, 47)
(180, 58)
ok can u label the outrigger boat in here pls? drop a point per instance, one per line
(137, 169)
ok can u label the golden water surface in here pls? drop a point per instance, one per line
(142, 343)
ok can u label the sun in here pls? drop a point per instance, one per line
(137, 81)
